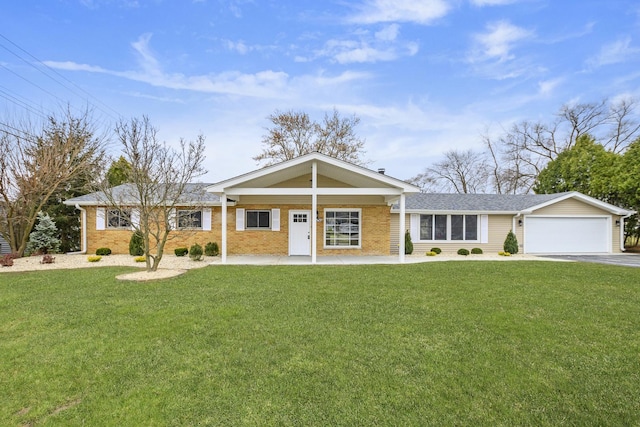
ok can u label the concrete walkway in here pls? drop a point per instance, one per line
(351, 260)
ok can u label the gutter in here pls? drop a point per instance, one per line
(83, 220)
(622, 218)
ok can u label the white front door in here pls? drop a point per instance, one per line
(299, 232)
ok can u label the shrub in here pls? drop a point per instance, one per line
(511, 243)
(464, 252)
(408, 244)
(503, 253)
(476, 251)
(7, 260)
(94, 258)
(136, 244)
(48, 259)
(195, 252)
(181, 251)
(211, 249)
(140, 259)
(431, 253)
(436, 250)
(103, 251)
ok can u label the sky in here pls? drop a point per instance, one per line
(423, 76)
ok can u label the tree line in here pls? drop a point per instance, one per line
(593, 148)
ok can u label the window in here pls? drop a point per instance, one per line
(449, 227)
(342, 228)
(119, 218)
(258, 220)
(433, 227)
(189, 218)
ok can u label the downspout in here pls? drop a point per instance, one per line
(83, 220)
(622, 218)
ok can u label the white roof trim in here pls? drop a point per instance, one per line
(223, 186)
(584, 198)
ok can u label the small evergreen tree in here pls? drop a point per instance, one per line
(195, 252)
(211, 249)
(44, 237)
(511, 243)
(408, 244)
(136, 244)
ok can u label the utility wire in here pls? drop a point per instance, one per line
(86, 93)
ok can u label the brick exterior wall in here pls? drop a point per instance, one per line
(375, 230)
(118, 239)
(375, 224)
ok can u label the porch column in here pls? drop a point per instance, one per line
(223, 198)
(314, 209)
(402, 229)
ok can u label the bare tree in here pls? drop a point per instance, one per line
(519, 154)
(160, 180)
(458, 172)
(36, 162)
(294, 134)
(625, 126)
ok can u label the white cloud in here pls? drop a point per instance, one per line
(482, 3)
(614, 53)
(381, 46)
(498, 41)
(417, 11)
(548, 87)
(388, 33)
(262, 84)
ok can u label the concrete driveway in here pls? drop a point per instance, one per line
(627, 260)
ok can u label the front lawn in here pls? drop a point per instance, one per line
(447, 343)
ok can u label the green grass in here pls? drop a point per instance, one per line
(447, 343)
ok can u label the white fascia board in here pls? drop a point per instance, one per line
(227, 186)
(455, 212)
(310, 191)
(584, 198)
(123, 203)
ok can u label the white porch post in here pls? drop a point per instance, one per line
(223, 198)
(314, 209)
(402, 228)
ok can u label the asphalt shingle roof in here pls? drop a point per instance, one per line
(193, 193)
(477, 202)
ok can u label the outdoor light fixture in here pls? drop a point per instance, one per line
(520, 222)
(617, 223)
(318, 219)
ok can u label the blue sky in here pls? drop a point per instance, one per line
(423, 76)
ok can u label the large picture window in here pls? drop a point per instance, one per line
(449, 227)
(118, 218)
(258, 219)
(189, 218)
(342, 228)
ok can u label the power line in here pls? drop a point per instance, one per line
(118, 115)
(20, 101)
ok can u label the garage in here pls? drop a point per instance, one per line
(566, 235)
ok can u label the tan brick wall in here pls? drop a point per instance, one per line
(118, 239)
(375, 223)
(375, 232)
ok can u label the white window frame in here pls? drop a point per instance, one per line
(185, 212)
(327, 224)
(448, 232)
(257, 211)
(122, 215)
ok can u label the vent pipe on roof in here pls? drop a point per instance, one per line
(381, 170)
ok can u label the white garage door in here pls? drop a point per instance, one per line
(566, 235)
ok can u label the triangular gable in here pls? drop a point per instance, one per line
(355, 176)
(583, 198)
